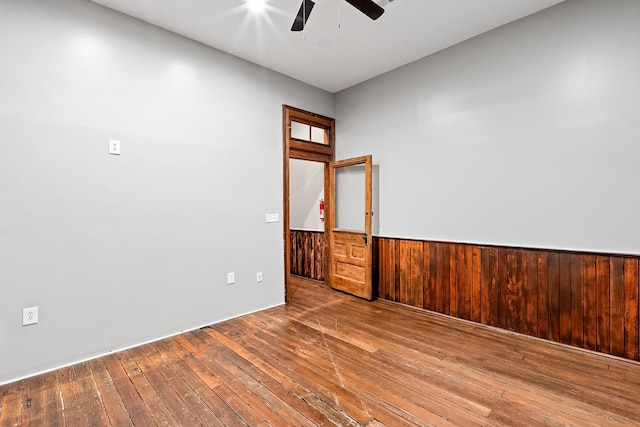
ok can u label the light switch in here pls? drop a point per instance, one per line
(114, 147)
(273, 217)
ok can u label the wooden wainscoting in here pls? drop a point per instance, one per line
(585, 300)
(307, 254)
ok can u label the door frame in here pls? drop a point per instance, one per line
(304, 150)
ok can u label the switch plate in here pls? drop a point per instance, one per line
(231, 278)
(259, 276)
(272, 217)
(114, 147)
(29, 316)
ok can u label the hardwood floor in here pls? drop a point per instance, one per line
(330, 359)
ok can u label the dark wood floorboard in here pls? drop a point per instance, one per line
(327, 359)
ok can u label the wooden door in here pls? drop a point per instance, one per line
(350, 248)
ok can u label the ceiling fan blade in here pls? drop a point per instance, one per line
(303, 15)
(368, 7)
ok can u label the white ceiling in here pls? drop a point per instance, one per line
(340, 46)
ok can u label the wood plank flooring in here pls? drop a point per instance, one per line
(330, 359)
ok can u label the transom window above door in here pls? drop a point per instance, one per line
(309, 133)
(308, 136)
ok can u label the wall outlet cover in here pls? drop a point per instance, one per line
(114, 147)
(29, 316)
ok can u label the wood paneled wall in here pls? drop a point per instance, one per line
(307, 254)
(582, 299)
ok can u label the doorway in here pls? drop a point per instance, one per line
(340, 246)
(306, 216)
(309, 138)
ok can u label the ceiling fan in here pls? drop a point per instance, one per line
(368, 7)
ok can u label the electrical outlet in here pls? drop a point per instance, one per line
(114, 147)
(29, 316)
(231, 278)
(259, 276)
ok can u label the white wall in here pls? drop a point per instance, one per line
(116, 251)
(306, 188)
(528, 135)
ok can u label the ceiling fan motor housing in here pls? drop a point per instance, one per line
(372, 8)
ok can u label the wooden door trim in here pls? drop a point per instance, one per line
(302, 150)
(362, 160)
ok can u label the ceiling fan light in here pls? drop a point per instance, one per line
(256, 5)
